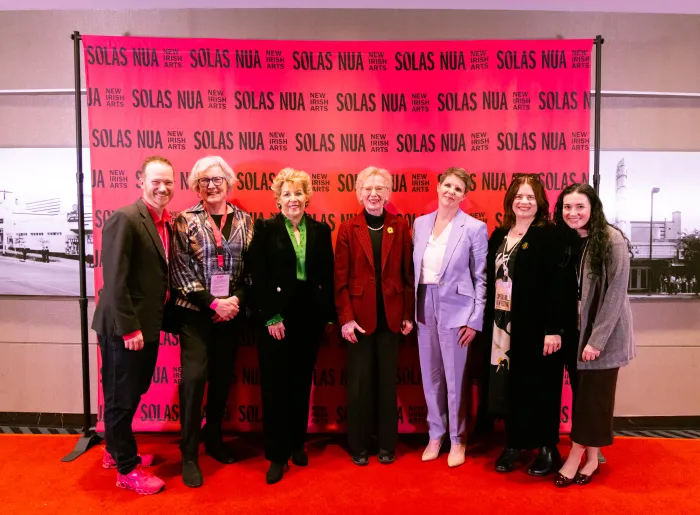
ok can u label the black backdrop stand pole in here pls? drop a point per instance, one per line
(89, 437)
(596, 145)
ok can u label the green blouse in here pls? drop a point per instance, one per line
(300, 251)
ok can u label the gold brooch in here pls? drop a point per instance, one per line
(390, 230)
(525, 246)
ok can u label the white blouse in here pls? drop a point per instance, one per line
(433, 256)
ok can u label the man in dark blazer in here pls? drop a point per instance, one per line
(129, 317)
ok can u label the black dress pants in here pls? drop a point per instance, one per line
(286, 370)
(208, 353)
(126, 376)
(371, 390)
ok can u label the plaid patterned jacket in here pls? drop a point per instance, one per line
(193, 256)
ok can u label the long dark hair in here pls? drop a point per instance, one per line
(542, 215)
(599, 247)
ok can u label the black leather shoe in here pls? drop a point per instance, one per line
(583, 479)
(386, 457)
(220, 453)
(191, 475)
(299, 458)
(506, 461)
(561, 481)
(547, 461)
(361, 459)
(275, 473)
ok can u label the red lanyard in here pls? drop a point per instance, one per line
(218, 237)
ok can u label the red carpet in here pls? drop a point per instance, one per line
(646, 476)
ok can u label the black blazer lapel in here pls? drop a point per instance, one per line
(149, 224)
(310, 244)
(285, 246)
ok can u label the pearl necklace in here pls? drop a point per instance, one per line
(377, 229)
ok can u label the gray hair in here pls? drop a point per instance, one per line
(204, 164)
(369, 172)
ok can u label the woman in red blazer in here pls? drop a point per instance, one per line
(373, 248)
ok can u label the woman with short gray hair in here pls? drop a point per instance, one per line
(209, 242)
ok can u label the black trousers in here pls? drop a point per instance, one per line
(126, 376)
(208, 353)
(286, 370)
(535, 387)
(371, 390)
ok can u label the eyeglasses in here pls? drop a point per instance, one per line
(378, 189)
(217, 181)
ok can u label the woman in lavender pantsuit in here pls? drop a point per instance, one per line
(449, 258)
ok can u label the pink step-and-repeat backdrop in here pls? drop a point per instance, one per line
(331, 108)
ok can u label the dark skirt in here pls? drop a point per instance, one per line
(592, 422)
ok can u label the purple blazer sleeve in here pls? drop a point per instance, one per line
(477, 268)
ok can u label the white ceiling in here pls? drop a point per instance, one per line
(638, 6)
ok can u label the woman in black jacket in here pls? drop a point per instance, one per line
(291, 265)
(522, 322)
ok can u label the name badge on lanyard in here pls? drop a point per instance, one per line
(504, 291)
(504, 286)
(220, 283)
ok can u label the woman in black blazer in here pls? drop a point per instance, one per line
(291, 267)
(522, 321)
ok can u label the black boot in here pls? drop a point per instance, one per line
(547, 461)
(275, 473)
(191, 475)
(506, 461)
(361, 459)
(219, 452)
(386, 457)
(299, 458)
(214, 444)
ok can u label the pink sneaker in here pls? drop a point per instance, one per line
(140, 481)
(110, 463)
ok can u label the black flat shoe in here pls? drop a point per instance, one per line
(561, 481)
(506, 461)
(386, 457)
(361, 459)
(583, 479)
(191, 475)
(220, 453)
(546, 462)
(299, 458)
(275, 473)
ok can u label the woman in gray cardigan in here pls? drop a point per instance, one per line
(601, 256)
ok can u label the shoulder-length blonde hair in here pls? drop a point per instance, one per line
(204, 164)
(298, 178)
(369, 172)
